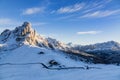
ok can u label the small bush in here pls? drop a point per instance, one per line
(18, 39)
(41, 52)
(53, 62)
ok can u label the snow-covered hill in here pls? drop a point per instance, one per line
(26, 63)
(26, 55)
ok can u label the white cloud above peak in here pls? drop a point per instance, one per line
(88, 32)
(33, 10)
(5, 21)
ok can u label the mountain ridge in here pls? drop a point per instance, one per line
(32, 37)
(25, 35)
(109, 45)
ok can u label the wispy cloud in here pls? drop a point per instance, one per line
(86, 9)
(5, 21)
(69, 9)
(98, 14)
(38, 23)
(96, 5)
(10, 22)
(88, 32)
(33, 10)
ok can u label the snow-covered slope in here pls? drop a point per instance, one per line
(24, 66)
(25, 55)
(24, 63)
(32, 54)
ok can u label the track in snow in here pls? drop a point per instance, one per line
(44, 66)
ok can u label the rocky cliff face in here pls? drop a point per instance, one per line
(21, 35)
(26, 35)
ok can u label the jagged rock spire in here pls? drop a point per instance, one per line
(24, 34)
(24, 29)
(26, 24)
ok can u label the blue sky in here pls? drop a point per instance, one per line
(77, 21)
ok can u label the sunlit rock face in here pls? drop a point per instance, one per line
(22, 34)
(25, 34)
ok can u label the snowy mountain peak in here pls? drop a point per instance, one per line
(24, 29)
(25, 34)
(20, 35)
(25, 24)
(110, 45)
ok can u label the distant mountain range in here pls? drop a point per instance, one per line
(107, 52)
(110, 45)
